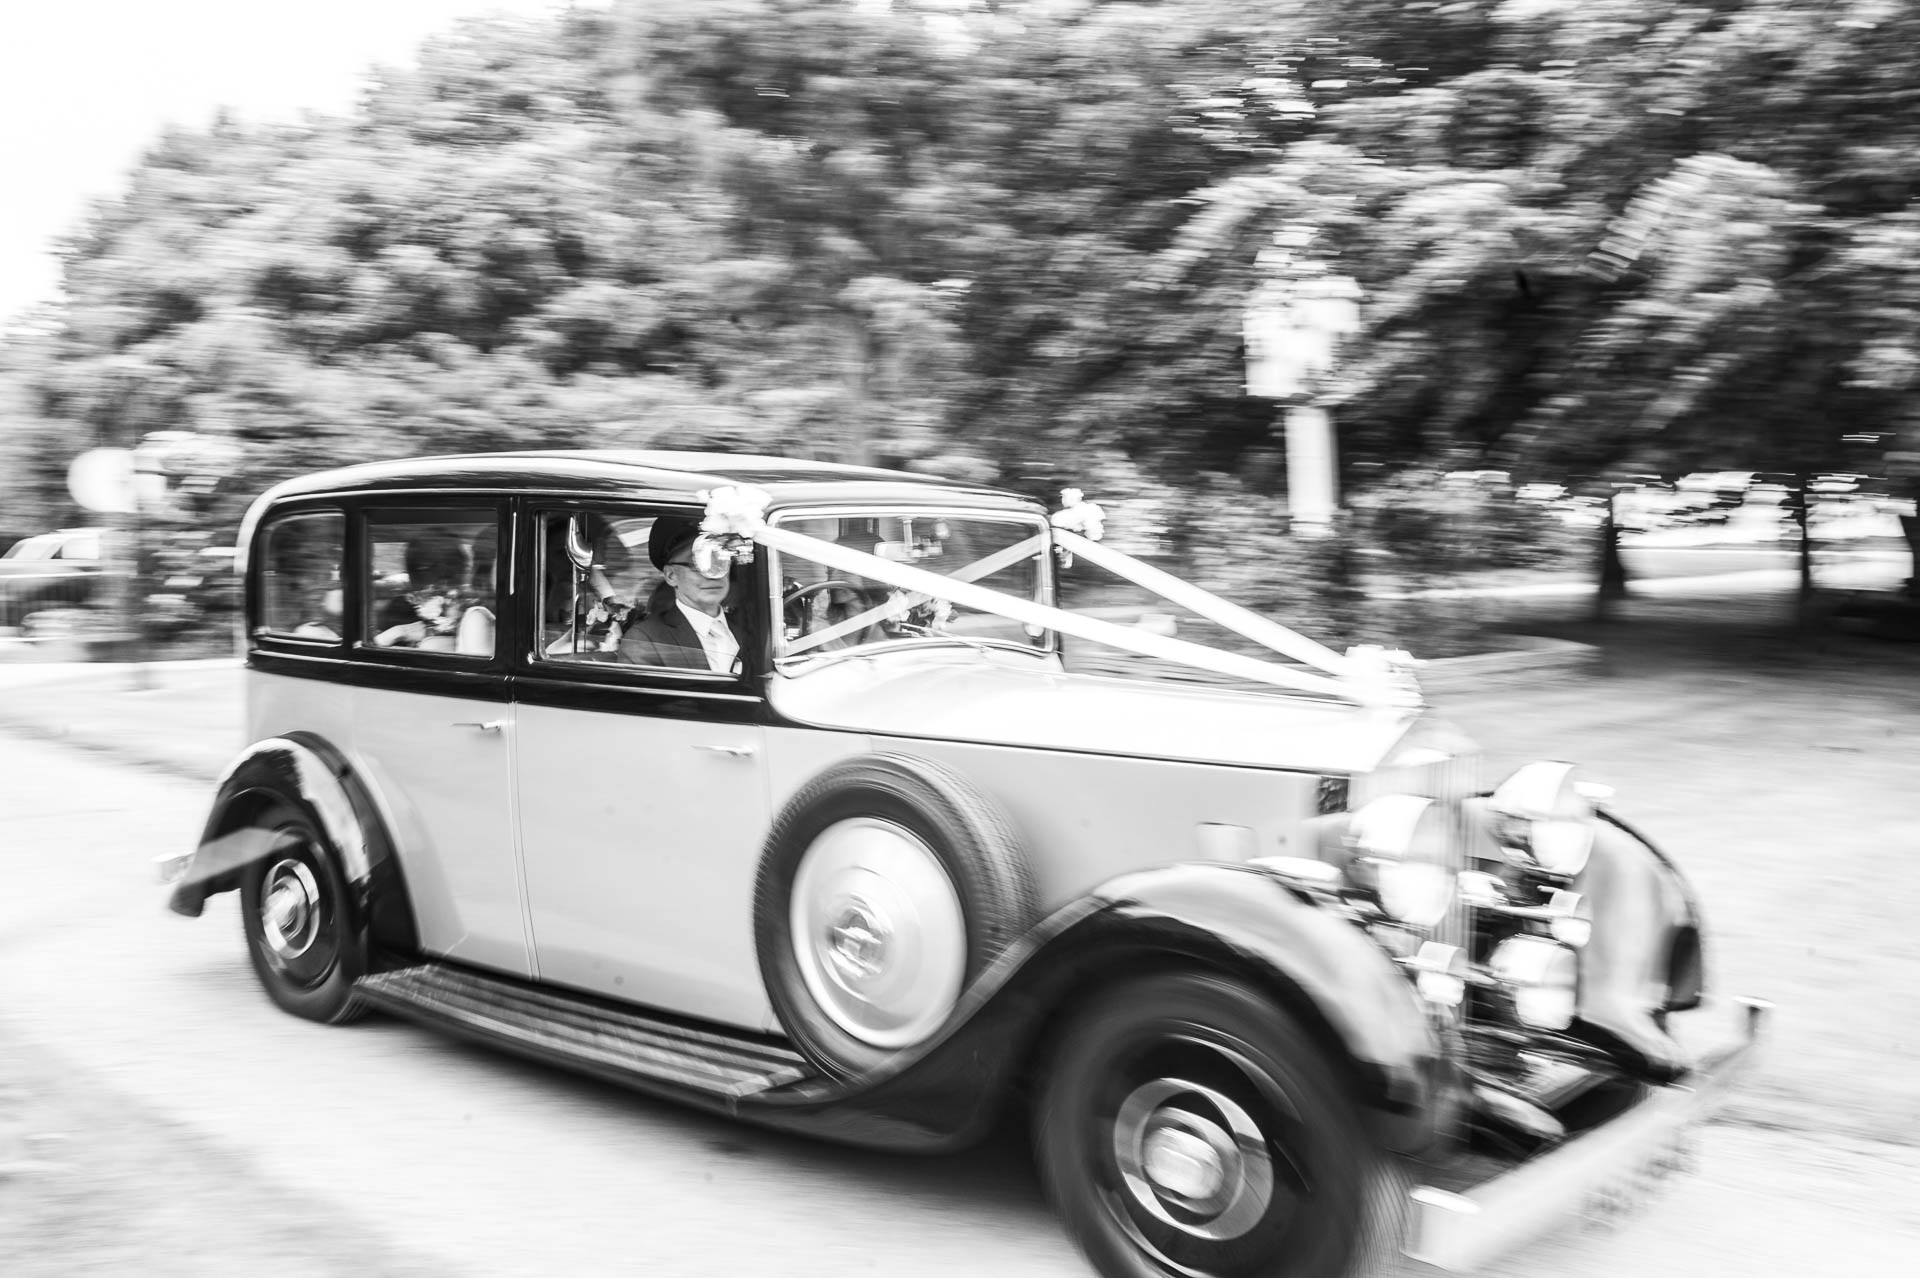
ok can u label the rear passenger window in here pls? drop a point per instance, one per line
(300, 576)
(431, 581)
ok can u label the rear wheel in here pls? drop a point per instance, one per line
(305, 949)
(1188, 1126)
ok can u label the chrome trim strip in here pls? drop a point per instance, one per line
(646, 689)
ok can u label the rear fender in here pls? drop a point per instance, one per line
(312, 772)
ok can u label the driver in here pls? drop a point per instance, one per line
(687, 625)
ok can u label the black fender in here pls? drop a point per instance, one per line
(313, 771)
(1645, 958)
(1237, 920)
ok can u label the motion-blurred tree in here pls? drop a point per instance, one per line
(1018, 236)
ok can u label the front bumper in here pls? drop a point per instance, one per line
(1460, 1232)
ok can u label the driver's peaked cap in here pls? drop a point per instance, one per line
(671, 534)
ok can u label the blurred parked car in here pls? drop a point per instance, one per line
(51, 572)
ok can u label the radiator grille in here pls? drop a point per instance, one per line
(1449, 778)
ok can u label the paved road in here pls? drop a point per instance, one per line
(462, 1161)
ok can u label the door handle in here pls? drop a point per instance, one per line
(737, 752)
(491, 725)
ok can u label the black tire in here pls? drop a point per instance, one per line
(934, 815)
(306, 950)
(1287, 1185)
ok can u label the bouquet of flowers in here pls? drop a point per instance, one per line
(603, 621)
(440, 610)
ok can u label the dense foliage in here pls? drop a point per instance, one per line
(1014, 240)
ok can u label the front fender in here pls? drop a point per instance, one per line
(309, 771)
(1228, 918)
(1314, 962)
(1644, 958)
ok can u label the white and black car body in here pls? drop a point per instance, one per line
(1494, 996)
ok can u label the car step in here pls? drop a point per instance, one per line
(623, 1044)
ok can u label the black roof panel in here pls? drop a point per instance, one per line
(645, 474)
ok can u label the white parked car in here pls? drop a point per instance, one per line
(764, 785)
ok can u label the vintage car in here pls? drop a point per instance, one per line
(767, 786)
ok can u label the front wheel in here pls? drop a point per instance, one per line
(1188, 1126)
(304, 947)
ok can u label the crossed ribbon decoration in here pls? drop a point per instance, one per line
(1367, 674)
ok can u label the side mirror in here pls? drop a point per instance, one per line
(579, 550)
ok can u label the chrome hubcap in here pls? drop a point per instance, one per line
(857, 944)
(1184, 1164)
(878, 932)
(290, 909)
(1193, 1158)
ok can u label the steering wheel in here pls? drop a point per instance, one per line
(799, 617)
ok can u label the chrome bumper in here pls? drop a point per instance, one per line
(1460, 1232)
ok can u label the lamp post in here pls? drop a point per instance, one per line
(1293, 325)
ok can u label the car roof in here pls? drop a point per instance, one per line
(641, 473)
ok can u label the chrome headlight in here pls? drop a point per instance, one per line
(1542, 976)
(1400, 858)
(1542, 814)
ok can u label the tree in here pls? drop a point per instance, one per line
(1014, 240)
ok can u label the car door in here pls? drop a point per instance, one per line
(642, 790)
(432, 722)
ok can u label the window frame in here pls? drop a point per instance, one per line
(530, 659)
(794, 662)
(388, 509)
(255, 586)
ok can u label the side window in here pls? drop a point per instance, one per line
(624, 587)
(596, 582)
(300, 576)
(431, 581)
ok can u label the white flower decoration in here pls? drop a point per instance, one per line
(1078, 515)
(735, 511)
(1389, 668)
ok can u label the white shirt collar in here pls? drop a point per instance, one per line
(716, 638)
(703, 625)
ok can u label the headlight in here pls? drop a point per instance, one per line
(1542, 978)
(1541, 814)
(1400, 857)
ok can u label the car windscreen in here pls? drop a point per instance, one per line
(828, 609)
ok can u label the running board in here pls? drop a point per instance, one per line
(621, 1044)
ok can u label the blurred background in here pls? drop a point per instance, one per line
(1338, 310)
(1417, 322)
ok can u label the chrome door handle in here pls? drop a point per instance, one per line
(491, 725)
(738, 752)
